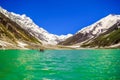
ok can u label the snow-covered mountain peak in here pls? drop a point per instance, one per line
(27, 24)
(101, 26)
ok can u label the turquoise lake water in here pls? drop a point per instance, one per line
(60, 65)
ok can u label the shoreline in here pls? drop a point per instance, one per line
(58, 48)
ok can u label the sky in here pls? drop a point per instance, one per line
(63, 16)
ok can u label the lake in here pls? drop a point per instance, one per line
(102, 64)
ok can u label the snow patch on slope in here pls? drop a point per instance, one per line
(21, 44)
(4, 43)
(115, 45)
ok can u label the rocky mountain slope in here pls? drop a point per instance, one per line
(13, 36)
(110, 39)
(27, 24)
(107, 28)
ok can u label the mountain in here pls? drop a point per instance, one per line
(107, 28)
(12, 36)
(110, 39)
(19, 31)
(28, 25)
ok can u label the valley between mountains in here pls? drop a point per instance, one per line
(20, 32)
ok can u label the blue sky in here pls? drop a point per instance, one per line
(63, 16)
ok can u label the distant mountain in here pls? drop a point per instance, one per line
(27, 24)
(104, 32)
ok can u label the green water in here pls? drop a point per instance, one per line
(60, 65)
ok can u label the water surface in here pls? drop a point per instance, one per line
(60, 65)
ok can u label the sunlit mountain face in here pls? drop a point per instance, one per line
(104, 32)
